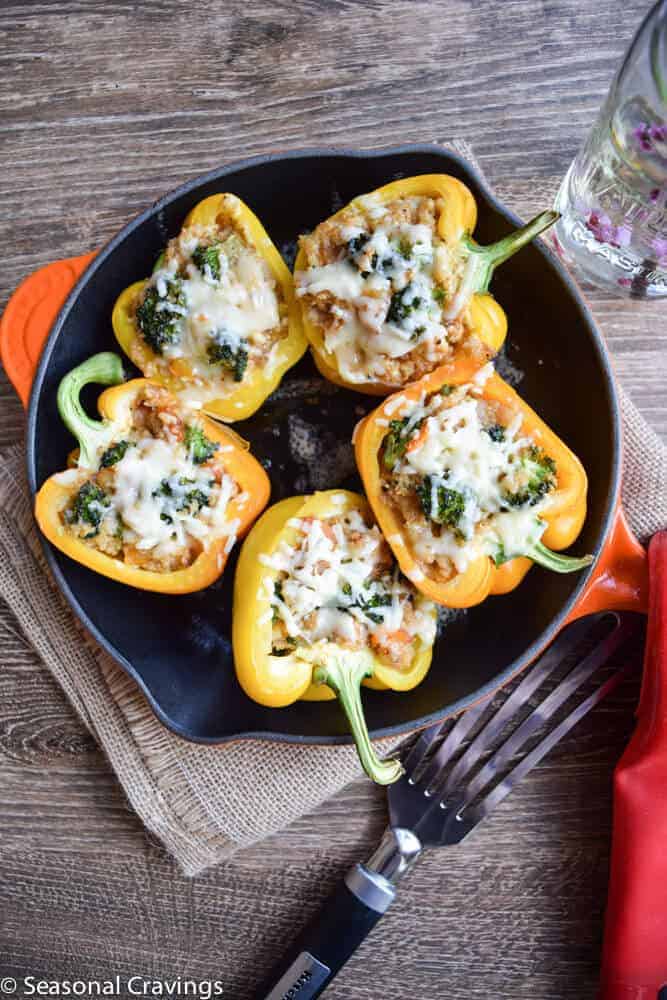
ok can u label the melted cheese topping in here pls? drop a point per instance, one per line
(451, 445)
(336, 584)
(236, 309)
(388, 291)
(151, 487)
(149, 501)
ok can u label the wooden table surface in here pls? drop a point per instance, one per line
(104, 107)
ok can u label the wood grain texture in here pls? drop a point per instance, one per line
(103, 107)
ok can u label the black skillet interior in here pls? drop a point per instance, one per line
(178, 648)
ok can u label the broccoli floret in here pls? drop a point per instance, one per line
(354, 248)
(405, 248)
(88, 506)
(396, 441)
(158, 321)
(402, 304)
(439, 294)
(375, 601)
(357, 244)
(278, 591)
(198, 445)
(113, 454)
(233, 360)
(195, 499)
(179, 498)
(540, 475)
(450, 504)
(496, 432)
(207, 258)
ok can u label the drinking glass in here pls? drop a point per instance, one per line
(613, 200)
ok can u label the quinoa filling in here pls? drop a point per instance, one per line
(465, 479)
(377, 285)
(159, 493)
(212, 312)
(338, 582)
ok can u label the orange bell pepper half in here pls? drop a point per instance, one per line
(102, 443)
(563, 516)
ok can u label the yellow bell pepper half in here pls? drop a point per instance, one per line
(246, 396)
(564, 515)
(483, 318)
(115, 407)
(326, 669)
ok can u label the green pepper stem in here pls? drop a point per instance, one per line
(482, 261)
(539, 553)
(501, 251)
(106, 369)
(344, 674)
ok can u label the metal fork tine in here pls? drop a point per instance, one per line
(500, 791)
(420, 747)
(465, 722)
(510, 741)
(456, 735)
(542, 712)
(533, 679)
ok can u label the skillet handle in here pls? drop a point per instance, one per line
(29, 316)
(331, 937)
(620, 579)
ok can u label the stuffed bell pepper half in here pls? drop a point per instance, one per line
(157, 495)
(393, 285)
(469, 486)
(320, 607)
(217, 322)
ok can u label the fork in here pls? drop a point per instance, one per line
(456, 772)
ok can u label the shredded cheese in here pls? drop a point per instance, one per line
(449, 448)
(337, 583)
(232, 311)
(387, 292)
(151, 487)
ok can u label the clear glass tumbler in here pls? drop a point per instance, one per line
(613, 200)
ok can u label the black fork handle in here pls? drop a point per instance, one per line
(331, 938)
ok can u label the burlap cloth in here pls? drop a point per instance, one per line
(203, 802)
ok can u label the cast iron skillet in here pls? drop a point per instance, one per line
(178, 648)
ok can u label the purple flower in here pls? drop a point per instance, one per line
(600, 226)
(604, 230)
(642, 137)
(659, 247)
(646, 135)
(654, 195)
(623, 235)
